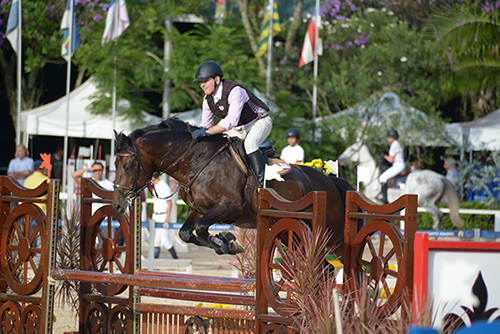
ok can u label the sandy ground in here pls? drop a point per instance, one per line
(204, 261)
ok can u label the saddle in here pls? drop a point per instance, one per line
(399, 179)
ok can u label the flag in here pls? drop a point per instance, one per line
(264, 33)
(220, 10)
(13, 26)
(307, 54)
(115, 11)
(45, 162)
(75, 38)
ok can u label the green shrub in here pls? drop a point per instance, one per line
(484, 222)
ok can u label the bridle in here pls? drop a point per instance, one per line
(129, 194)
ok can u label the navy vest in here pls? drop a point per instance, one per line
(221, 108)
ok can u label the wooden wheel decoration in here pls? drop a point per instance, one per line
(96, 318)
(118, 320)
(105, 252)
(30, 320)
(10, 318)
(273, 329)
(371, 264)
(22, 244)
(282, 241)
(196, 325)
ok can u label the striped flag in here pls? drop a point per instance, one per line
(307, 54)
(115, 12)
(220, 10)
(13, 26)
(264, 33)
(75, 38)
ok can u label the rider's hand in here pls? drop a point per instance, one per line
(200, 133)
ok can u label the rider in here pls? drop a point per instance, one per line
(396, 158)
(242, 114)
(293, 153)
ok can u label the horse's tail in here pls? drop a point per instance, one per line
(451, 194)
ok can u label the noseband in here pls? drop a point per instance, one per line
(129, 194)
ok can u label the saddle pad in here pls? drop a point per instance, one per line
(276, 168)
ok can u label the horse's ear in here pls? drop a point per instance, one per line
(116, 134)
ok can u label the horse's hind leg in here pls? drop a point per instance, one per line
(436, 214)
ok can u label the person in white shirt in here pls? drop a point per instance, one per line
(396, 158)
(162, 208)
(97, 170)
(293, 153)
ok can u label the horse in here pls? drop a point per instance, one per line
(212, 184)
(430, 186)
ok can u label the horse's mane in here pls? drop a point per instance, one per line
(173, 124)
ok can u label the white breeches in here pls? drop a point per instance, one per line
(391, 172)
(255, 135)
(161, 237)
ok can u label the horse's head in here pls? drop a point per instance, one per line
(132, 174)
(352, 154)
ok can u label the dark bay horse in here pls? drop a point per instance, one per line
(211, 182)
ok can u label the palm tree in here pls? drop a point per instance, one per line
(470, 35)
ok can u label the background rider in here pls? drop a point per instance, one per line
(396, 158)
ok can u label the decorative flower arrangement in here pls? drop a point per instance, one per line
(319, 165)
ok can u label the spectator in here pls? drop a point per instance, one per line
(21, 166)
(293, 153)
(56, 163)
(451, 172)
(162, 207)
(97, 170)
(34, 180)
(415, 163)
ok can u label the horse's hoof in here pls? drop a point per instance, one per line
(235, 247)
(227, 235)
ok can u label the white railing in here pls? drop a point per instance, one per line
(495, 213)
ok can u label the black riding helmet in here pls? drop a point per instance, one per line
(293, 133)
(392, 133)
(208, 69)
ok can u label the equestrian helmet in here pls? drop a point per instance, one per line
(392, 133)
(208, 69)
(293, 133)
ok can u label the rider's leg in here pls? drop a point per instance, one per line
(257, 162)
(384, 193)
(257, 134)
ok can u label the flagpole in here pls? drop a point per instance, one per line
(19, 70)
(68, 87)
(270, 48)
(316, 44)
(112, 156)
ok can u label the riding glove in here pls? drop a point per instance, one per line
(202, 132)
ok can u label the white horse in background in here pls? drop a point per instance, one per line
(430, 186)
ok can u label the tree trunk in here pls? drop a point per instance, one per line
(252, 36)
(292, 31)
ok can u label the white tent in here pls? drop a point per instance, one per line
(50, 119)
(481, 134)
(388, 111)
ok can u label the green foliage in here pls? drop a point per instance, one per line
(484, 222)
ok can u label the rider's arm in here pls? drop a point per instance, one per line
(207, 117)
(389, 158)
(169, 211)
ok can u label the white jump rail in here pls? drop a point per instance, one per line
(495, 213)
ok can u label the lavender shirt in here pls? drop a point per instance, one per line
(236, 99)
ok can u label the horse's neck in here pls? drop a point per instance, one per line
(367, 160)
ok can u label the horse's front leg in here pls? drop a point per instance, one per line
(186, 232)
(222, 243)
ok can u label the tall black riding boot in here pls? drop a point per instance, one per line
(257, 162)
(157, 252)
(384, 193)
(173, 253)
